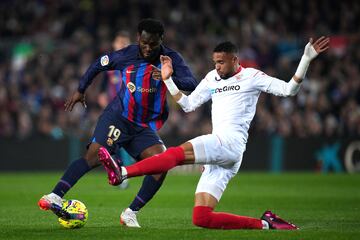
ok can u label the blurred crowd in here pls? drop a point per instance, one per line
(45, 47)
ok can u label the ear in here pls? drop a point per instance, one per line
(235, 59)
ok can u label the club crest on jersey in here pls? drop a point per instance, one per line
(104, 60)
(131, 87)
(156, 75)
(110, 142)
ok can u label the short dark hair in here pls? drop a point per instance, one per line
(227, 47)
(151, 26)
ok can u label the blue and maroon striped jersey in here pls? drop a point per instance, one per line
(142, 95)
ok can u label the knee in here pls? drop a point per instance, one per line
(202, 216)
(91, 157)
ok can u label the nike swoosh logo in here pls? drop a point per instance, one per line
(129, 71)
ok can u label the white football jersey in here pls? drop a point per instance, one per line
(234, 100)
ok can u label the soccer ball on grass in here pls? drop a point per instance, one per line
(77, 214)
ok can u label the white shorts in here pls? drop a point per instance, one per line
(221, 160)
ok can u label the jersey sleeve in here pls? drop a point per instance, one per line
(200, 95)
(261, 81)
(275, 86)
(106, 62)
(182, 76)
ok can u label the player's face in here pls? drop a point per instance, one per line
(225, 64)
(149, 45)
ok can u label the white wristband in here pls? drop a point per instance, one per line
(302, 68)
(171, 86)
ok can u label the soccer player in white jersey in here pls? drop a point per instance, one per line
(234, 92)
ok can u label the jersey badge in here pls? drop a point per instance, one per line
(104, 60)
(110, 142)
(156, 74)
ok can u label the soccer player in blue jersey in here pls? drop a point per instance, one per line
(132, 118)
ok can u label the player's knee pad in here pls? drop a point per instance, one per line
(202, 216)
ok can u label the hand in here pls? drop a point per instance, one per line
(166, 67)
(76, 97)
(314, 49)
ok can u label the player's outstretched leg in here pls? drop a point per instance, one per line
(111, 166)
(73, 173)
(275, 222)
(204, 216)
(53, 201)
(156, 164)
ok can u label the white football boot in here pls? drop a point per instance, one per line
(128, 218)
(52, 202)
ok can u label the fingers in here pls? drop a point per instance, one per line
(76, 97)
(69, 105)
(322, 44)
(319, 40)
(322, 41)
(164, 59)
(324, 49)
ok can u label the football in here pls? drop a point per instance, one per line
(78, 214)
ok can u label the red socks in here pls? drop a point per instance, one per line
(205, 217)
(158, 163)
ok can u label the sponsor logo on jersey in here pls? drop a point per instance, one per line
(130, 71)
(226, 89)
(148, 90)
(104, 60)
(131, 87)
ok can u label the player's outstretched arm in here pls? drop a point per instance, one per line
(189, 103)
(166, 72)
(281, 88)
(312, 49)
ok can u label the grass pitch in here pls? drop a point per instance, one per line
(324, 206)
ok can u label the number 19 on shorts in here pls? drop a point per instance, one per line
(114, 133)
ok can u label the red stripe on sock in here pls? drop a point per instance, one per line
(158, 163)
(204, 216)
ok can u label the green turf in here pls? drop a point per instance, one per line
(324, 206)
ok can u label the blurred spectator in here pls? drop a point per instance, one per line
(45, 47)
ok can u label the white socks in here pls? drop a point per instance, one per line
(265, 225)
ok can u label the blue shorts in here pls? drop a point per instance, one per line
(113, 131)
